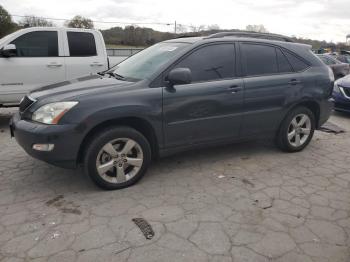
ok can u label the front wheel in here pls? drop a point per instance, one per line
(296, 130)
(117, 158)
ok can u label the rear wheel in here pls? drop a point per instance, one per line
(117, 158)
(296, 130)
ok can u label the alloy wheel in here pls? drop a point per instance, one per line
(119, 160)
(299, 130)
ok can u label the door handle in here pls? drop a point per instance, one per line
(53, 64)
(294, 82)
(96, 64)
(235, 89)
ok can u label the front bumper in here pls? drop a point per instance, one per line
(66, 139)
(341, 103)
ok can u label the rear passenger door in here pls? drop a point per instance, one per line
(209, 108)
(271, 83)
(82, 55)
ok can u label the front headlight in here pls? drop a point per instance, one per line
(52, 113)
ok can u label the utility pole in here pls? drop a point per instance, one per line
(175, 27)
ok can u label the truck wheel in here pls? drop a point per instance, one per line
(296, 130)
(117, 158)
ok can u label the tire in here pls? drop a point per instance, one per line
(117, 157)
(286, 139)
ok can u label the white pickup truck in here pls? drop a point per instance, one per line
(38, 56)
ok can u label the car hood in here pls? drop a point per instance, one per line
(345, 81)
(80, 87)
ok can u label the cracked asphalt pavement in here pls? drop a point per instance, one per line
(243, 202)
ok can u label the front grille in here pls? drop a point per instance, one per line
(25, 103)
(346, 91)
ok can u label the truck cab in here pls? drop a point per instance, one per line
(38, 56)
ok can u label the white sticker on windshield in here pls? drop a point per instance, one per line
(168, 48)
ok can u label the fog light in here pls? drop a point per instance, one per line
(43, 147)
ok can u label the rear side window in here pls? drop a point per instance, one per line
(81, 44)
(297, 63)
(260, 59)
(211, 62)
(37, 44)
(283, 64)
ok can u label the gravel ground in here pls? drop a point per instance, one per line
(243, 202)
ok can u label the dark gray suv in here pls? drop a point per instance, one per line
(177, 95)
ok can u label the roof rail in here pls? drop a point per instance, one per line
(267, 36)
(185, 36)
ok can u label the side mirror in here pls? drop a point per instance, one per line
(179, 76)
(9, 50)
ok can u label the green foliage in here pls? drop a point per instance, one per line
(6, 24)
(134, 36)
(80, 22)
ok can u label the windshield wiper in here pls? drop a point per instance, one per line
(119, 77)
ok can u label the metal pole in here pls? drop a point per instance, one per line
(175, 27)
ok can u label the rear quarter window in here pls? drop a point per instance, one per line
(297, 63)
(283, 64)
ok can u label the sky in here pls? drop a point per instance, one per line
(316, 19)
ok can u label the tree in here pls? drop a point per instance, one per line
(257, 28)
(80, 22)
(6, 24)
(180, 29)
(32, 21)
(213, 27)
(197, 29)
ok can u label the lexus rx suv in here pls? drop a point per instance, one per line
(177, 95)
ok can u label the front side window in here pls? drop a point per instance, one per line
(37, 44)
(211, 62)
(259, 59)
(81, 44)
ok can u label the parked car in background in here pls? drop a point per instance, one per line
(34, 57)
(341, 94)
(343, 58)
(344, 52)
(340, 69)
(178, 95)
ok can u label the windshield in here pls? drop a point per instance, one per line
(145, 63)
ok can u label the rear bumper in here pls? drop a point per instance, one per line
(66, 140)
(326, 108)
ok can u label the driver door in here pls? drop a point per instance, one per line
(210, 107)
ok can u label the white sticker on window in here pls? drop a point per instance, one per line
(168, 48)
